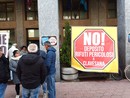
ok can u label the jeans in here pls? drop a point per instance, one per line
(44, 87)
(2, 89)
(51, 86)
(30, 93)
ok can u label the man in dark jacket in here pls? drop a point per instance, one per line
(31, 72)
(50, 63)
(4, 73)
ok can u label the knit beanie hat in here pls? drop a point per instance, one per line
(32, 48)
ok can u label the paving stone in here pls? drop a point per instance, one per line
(85, 89)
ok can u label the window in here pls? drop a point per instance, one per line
(31, 10)
(33, 33)
(112, 9)
(7, 11)
(75, 9)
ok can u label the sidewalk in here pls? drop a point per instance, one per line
(86, 89)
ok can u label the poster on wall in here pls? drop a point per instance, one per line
(51, 39)
(94, 49)
(4, 40)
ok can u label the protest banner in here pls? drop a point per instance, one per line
(4, 40)
(94, 49)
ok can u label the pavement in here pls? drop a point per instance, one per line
(86, 89)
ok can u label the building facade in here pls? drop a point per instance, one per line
(28, 20)
(20, 17)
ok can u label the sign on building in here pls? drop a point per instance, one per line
(4, 40)
(94, 49)
(51, 39)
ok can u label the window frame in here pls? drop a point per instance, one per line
(111, 9)
(35, 11)
(6, 10)
(78, 11)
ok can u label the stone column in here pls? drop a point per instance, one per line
(123, 12)
(19, 22)
(48, 16)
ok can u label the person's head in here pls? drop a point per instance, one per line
(32, 48)
(24, 48)
(16, 53)
(47, 44)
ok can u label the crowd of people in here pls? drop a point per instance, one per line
(30, 67)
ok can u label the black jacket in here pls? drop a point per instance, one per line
(31, 71)
(4, 69)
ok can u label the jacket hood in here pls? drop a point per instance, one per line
(51, 49)
(30, 59)
(16, 58)
(13, 48)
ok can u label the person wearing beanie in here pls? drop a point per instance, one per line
(31, 72)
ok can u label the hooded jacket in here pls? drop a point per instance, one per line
(10, 51)
(50, 60)
(31, 71)
(13, 65)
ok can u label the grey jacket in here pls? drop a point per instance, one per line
(13, 66)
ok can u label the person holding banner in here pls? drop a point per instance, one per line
(4, 73)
